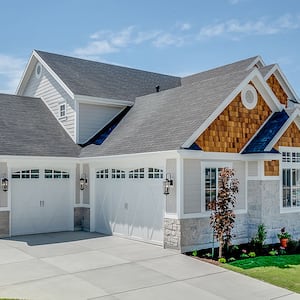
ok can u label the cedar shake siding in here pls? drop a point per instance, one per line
(234, 127)
(278, 90)
(290, 138)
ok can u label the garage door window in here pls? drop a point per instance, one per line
(117, 174)
(26, 174)
(154, 173)
(137, 173)
(56, 174)
(103, 174)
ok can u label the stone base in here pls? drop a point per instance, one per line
(4, 224)
(172, 234)
(82, 218)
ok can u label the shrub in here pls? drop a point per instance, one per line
(252, 254)
(273, 252)
(231, 259)
(244, 255)
(195, 253)
(207, 255)
(222, 260)
(259, 239)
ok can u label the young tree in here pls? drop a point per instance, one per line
(222, 215)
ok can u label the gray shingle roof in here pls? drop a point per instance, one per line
(265, 70)
(90, 78)
(29, 128)
(238, 66)
(165, 120)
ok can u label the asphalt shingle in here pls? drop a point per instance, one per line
(29, 128)
(90, 78)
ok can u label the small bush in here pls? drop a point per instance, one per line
(195, 253)
(244, 255)
(252, 254)
(273, 252)
(281, 251)
(207, 255)
(231, 259)
(222, 260)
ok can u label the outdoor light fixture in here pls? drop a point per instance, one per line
(83, 182)
(4, 184)
(167, 183)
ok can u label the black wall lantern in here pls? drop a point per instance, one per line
(167, 183)
(83, 182)
(4, 184)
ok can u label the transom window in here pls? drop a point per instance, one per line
(26, 174)
(137, 173)
(155, 173)
(290, 179)
(56, 174)
(102, 174)
(118, 174)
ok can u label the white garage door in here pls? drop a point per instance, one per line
(130, 203)
(41, 201)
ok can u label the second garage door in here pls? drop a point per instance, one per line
(41, 201)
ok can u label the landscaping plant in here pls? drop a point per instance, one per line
(222, 215)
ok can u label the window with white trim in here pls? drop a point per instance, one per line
(62, 110)
(290, 179)
(26, 174)
(103, 174)
(137, 173)
(56, 174)
(117, 174)
(154, 173)
(211, 185)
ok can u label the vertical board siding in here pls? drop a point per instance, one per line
(290, 138)
(192, 186)
(278, 90)
(3, 195)
(252, 168)
(171, 206)
(234, 127)
(271, 167)
(47, 88)
(92, 118)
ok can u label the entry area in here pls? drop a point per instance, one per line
(41, 201)
(130, 203)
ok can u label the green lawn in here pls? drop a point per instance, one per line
(283, 271)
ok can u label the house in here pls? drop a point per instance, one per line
(87, 145)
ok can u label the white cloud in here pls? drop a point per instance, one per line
(11, 70)
(107, 41)
(263, 26)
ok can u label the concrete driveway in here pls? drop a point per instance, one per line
(80, 265)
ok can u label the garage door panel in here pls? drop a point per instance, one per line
(41, 205)
(130, 207)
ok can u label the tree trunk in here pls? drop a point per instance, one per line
(220, 249)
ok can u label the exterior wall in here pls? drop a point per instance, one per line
(171, 206)
(47, 88)
(290, 138)
(4, 224)
(264, 207)
(82, 218)
(93, 118)
(86, 191)
(3, 195)
(172, 234)
(192, 186)
(278, 90)
(234, 127)
(271, 168)
(240, 173)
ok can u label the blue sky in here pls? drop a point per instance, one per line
(172, 37)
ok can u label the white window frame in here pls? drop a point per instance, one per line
(26, 174)
(62, 113)
(102, 174)
(138, 173)
(56, 174)
(155, 173)
(290, 160)
(211, 165)
(118, 174)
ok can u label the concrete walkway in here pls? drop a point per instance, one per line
(79, 265)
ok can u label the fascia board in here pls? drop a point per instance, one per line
(101, 101)
(263, 89)
(54, 75)
(282, 130)
(257, 60)
(25, 76)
